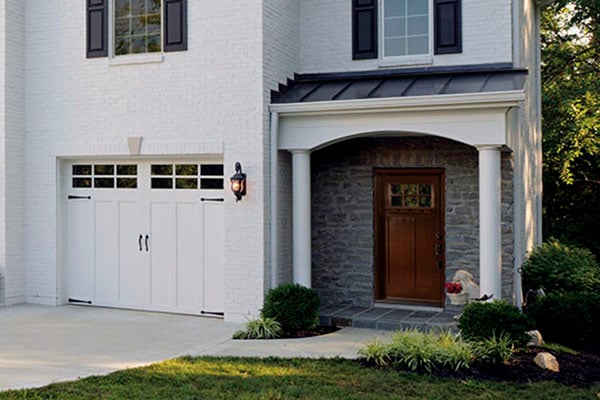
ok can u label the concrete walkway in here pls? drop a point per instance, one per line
(40, 345)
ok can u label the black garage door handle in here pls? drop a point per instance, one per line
(140, 241)
(146, 241)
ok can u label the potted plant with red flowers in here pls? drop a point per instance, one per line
(455, 293)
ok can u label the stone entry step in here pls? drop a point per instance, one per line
(389, 318)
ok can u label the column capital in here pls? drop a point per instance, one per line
(299, 151)
(489, 147)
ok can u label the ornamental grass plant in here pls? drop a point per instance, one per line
(413, 350)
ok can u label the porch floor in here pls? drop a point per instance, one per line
(389, 318)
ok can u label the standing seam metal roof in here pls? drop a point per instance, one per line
(425, 82)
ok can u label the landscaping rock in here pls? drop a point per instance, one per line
(546, 361)
(536, 339)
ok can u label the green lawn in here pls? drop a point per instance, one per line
(250, 378)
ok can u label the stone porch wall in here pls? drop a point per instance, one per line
(342, 198)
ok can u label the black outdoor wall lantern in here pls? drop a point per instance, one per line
(238, 182)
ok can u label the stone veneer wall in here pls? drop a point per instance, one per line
(342, 197)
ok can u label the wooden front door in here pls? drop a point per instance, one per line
(409, 236)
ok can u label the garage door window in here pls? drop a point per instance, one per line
(187, 176)
(104, 176)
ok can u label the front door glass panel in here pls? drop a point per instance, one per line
(411, 195)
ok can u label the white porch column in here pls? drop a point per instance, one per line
(301, 217)
(490, 240)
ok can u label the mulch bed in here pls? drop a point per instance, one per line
(317, 331)
(581, 370)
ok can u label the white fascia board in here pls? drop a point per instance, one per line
(504, 99)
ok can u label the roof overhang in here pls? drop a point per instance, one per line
(469, 105)
(503, 99)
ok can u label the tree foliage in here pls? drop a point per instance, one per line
(570, 33)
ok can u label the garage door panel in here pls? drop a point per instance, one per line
(213, 258)
(134, 274)
(162, 252)
(80, 248)
(189, 290)
(106, 268)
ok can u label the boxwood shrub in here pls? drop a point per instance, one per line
(480, 321)
(294, 306)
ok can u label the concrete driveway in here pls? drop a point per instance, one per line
(40, 345)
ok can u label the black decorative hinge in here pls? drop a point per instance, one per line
(77, 301)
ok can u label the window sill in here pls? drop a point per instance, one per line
(136, 59)
(405, 62)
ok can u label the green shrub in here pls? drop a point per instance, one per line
(262, 328)
(480, 321)
(570, 319)
(494, 350)
(294, 306)
(414, 350)
(558, 268)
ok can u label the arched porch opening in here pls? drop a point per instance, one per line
(346, 240)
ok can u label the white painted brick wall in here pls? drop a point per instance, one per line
(212, 92)
(528, 148)
(2, 149)
(281, 60)
(326, 36)
(12, 151)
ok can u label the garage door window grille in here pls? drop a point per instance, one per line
(187, 176)
(104, 176)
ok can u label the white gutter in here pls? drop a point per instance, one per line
(509, 98)
(274, 169)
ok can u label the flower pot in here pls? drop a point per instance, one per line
(458, 299)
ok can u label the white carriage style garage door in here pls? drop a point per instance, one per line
(146, 235)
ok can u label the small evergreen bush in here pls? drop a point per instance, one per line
(481, 321)
(262, 328)
(294, 306)
(558, 268)
(570, 319)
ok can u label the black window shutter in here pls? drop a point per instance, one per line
(364, 29)
(448, 26)
(97, 28)
(175, 19)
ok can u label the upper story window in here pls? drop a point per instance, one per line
(406, 27)
(137, 26)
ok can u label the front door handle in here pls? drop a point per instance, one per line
(140, 242)
(146, 241)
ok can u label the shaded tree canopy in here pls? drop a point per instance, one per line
(570, 34)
